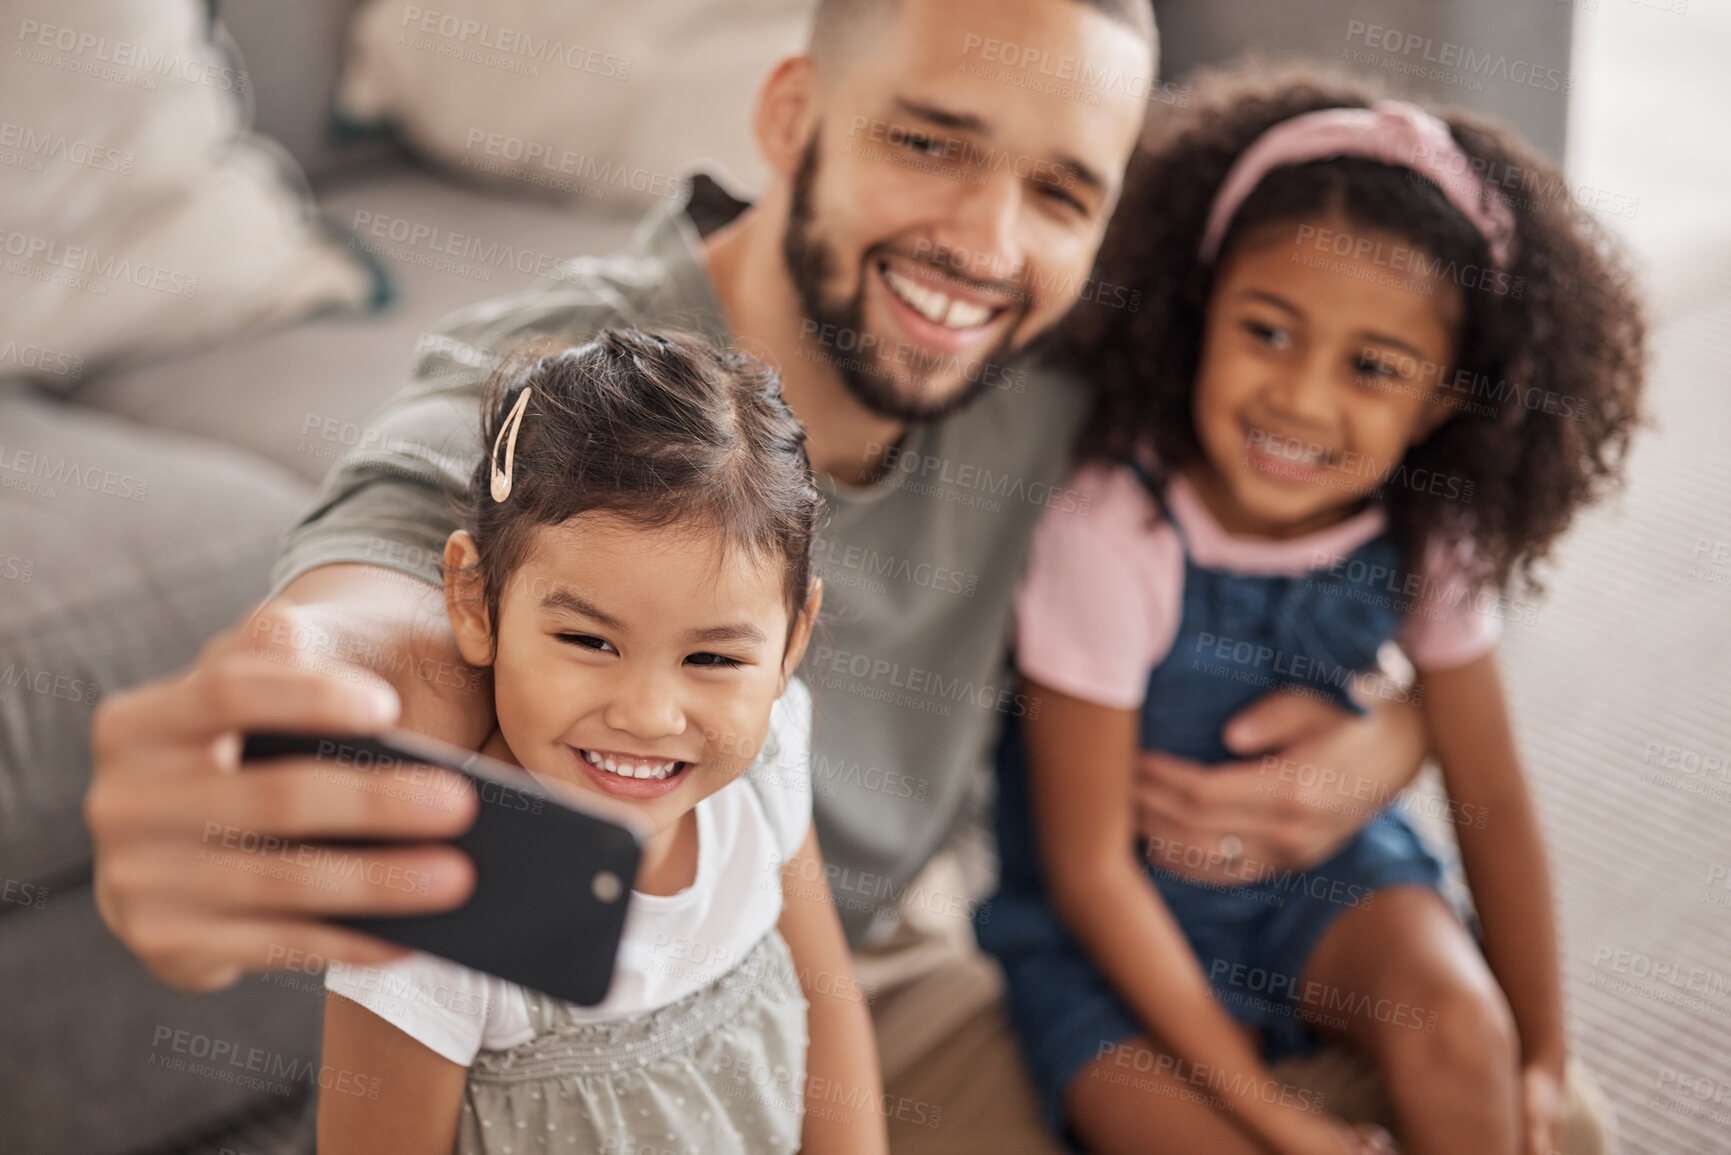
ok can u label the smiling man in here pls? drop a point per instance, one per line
(943, 171)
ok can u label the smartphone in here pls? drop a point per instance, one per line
(553, 873)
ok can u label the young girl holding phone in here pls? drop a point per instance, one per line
(635, 572)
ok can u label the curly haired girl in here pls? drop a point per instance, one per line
(1381, 360)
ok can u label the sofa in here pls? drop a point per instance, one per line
(213, 453)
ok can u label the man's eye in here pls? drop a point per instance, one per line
(924, 145)
(587, 642)
(714, 661)
(1059, 195)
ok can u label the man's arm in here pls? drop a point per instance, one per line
(357, 612)
(342, 648)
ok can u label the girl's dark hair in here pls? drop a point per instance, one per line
(659, 428)
(1550, 358)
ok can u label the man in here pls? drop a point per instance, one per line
(933, 209)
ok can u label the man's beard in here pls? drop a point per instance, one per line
(873, 383)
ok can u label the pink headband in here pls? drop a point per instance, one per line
(1391, 131)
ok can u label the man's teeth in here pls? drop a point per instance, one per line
(628, 769)
(938, 308)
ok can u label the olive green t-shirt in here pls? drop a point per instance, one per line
(907, 665)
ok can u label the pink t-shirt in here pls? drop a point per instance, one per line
(1100, 604)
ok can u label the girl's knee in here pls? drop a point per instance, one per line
(1460, 1023)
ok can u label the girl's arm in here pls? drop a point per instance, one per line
(841, 1061)
(1081, 757)
(418, 1092)
(1502, 850)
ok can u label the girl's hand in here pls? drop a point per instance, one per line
(1326, 1135)
(1373, 1140)
(1542, 1109)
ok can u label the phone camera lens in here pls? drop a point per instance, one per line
(607, 886)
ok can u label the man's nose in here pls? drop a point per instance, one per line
(983, 225)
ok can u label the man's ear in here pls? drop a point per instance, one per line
(802, 628)
(785, 115)
(465, 601)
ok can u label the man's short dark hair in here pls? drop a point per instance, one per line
(837, 23)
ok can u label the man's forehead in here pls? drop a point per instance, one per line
(1038, 35)
(1057, 69)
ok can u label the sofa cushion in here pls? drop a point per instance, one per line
(593, 100)
(301, 396)
(101, 1059)
(121, 550)
(142, 218)
(293, 54)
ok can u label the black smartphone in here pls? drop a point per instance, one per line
(553, 874)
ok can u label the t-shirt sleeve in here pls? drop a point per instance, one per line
(393, 499)
(1454, 622)
(1089, 621)
(392, 502)
(446, 1007)
(781, 775)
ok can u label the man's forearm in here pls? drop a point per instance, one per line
(396, 627)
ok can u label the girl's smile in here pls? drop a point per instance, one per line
(630, 776)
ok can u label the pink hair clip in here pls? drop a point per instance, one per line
(501, 480)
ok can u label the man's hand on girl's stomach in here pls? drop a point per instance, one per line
(1310, 777)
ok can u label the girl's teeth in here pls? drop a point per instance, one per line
(630, 769)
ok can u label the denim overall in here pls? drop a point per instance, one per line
(1240, 637)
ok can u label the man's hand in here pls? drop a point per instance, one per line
(207, 871)
(1311, 777)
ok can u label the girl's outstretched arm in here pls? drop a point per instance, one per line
(841, 1061)
(1081, 756)
(418, 1092)
(1504, 856)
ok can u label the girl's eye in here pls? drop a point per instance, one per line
(1271, 335)
(587, 642)
(1376, 367)
(715, 661)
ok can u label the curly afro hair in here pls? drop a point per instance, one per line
(1558, 346)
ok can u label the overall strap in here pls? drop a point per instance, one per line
(1157, 494)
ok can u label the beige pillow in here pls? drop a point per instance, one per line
(599, 101)
(138, 217)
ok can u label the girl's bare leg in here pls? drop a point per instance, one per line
(1420, 1003)
(1137, 1099)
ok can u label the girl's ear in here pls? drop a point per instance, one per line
(802, 627)
(785, 115)
(465, 601)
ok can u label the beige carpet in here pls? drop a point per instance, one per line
(1623, 693)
